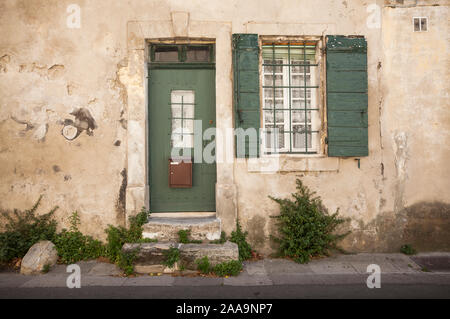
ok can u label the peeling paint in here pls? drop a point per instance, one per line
(46, 72)
(56, 71)
(40, 132)
(4, 61)
(401, 156)
(84, 121)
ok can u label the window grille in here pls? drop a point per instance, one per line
(291, 120)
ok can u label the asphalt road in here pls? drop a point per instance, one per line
(390, 291)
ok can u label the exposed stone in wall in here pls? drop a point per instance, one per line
(4, 61)
(39, 130)
(52, 73)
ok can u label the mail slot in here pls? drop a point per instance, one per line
(180, 172)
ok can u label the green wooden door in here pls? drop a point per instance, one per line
(176, 96)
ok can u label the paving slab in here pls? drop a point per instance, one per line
(296, 279)
(403, 263)
(385, 267)
(247, 280)
(85, 267)
(344, 279)
(391, 263)
(198, 281)
(433, 262)
(320, 267)
(369, 258)
(255, 268)
(285, 266)
(46, 281)
(105, 269)
(423, 278)
(102, 281)
(13, 280)
(150, 281)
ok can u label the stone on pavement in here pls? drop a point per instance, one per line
(39, 255)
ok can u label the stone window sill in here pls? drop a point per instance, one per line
(287, 163)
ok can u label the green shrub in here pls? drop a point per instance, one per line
(126, 261)
(408, 250)
(136, 223)
(305, 227)
(73, 246)
(230, 268)
(183, 237)
(46, 268)
(23, 230)
(172, 255)
(240, 238)
(203, 265)
(118, 236)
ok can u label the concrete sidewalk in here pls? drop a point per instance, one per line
(336, 270)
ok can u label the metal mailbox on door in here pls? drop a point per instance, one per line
(180, 172)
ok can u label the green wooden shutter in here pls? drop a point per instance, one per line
(347, 100)
(246, 98)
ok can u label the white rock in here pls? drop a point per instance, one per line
(40, 254)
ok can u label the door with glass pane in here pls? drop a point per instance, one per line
(181, 101)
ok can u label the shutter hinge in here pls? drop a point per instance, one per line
(326, 140)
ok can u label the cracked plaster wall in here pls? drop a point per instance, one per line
(48, 71)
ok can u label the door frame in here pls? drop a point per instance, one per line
(174, 66)
(132, 74)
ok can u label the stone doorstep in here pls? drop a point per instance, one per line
(151, 257)
(167, 228)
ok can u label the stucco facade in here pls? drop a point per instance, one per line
(398, 194)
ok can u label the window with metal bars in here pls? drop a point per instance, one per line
(291, 120)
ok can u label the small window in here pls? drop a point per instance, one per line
(182, 53)
(420, 24)
(166, 54)
(198, 53)
(290, 98)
